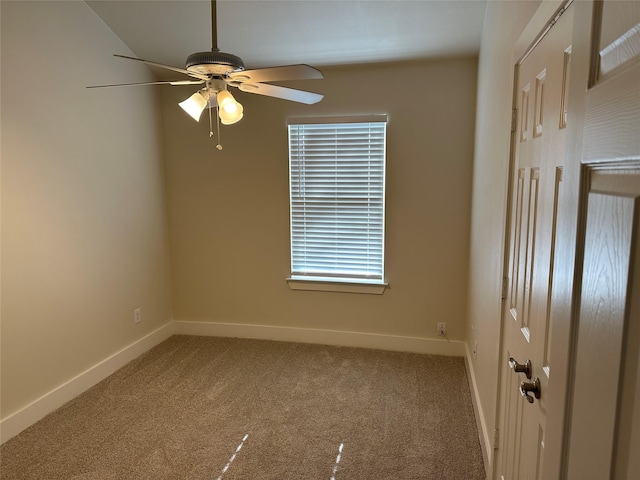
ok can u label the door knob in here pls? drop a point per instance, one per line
(530, 387)
(521, 368)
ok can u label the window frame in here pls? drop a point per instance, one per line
(327, 282)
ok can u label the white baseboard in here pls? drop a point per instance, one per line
(322, 337)
(27, 416)
(485, 434)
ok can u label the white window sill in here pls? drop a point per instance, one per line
(337, 285)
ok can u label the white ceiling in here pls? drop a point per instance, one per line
(281, 32)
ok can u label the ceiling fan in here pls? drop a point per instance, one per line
(217, 71)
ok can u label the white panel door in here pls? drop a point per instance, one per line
(538, 141)
(604, 432)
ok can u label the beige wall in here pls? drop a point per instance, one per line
(504, 22)
(84, 234)
(229, 211)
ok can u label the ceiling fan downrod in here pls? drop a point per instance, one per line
(214, 27)
(215, 62)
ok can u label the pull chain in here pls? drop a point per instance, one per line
(210, 123)
(218, 146)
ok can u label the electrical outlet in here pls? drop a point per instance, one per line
(137, 316)
(442, 329)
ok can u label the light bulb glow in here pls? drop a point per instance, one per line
(230, 110)
(230, 107)
(228, 119)
(225, 98)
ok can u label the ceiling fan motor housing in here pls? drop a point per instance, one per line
(214, 63)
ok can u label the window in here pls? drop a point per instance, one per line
(337, 192)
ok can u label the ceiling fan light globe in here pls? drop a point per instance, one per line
(230, 118)
(194, 105)
(232, 121)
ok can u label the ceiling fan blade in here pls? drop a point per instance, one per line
(166, 67)
(281, 92)
(177, 82)
(288, 72)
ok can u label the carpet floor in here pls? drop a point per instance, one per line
(229, 409)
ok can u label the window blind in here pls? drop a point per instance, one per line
(337, 191)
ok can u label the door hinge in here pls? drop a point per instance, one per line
(514, 119)
(496, 438)
(505, 286)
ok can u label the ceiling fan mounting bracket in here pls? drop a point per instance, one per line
(214, 63)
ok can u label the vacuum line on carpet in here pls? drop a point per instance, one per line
(338, 458)
(233, 457)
